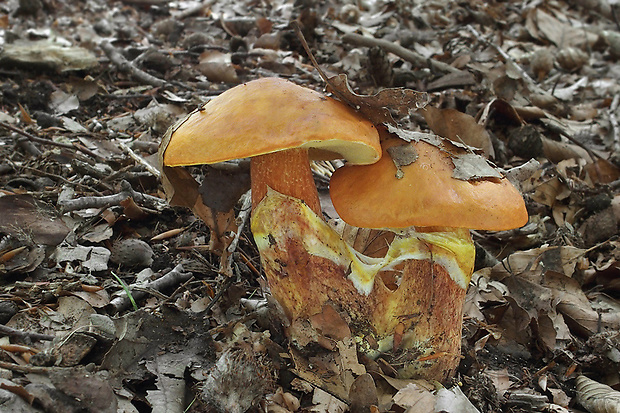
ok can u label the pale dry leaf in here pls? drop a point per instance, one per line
(453, 401)
(500, 379)
(98, 299)
(348, 356)
(326, 403)
(62, 102)
(545, 26)
(597, 397)
(467, 161)
(470, 166)
(402, 155)
(415, 398)
(48, 55)
(84, 88)
(91, 258)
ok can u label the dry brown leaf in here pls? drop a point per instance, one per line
(222, 189)
(26, 218)
(132, 210)
(459, 127)
(601, 171)
(502, 109)
(321, 371)
(558, 151)
(330, 324)
(379, 108)
(182, 190)
(539, 285)
(543, 25)
(363, 394)
(551, 191)
(217, 67)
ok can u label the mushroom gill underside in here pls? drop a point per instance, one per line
(405, 306)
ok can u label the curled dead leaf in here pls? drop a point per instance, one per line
(597, 397)
(379, 108)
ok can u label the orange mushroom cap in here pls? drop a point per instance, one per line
(426, 195)
(269, 115)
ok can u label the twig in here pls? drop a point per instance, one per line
(194, 10)
(615, 130)
(50, 142)
(334, 90)
(110, 200)
(139, 159)
(227, 283)
(244, 214)
(509, 60)
(11, 332)
(174, 277)
(125, 65)
(398, 50)
(62, 179)
(29, 369)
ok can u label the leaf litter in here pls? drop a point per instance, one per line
(541, 326)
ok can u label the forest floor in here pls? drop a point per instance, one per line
(113, 300)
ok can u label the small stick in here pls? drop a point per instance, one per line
(195, 9)
(509, 59)
(614, 123)
(304, 43)
(11, 332)
(44, 141)
(125, 65)
(398, 50)
(140, 159)
(29, 369)
(244, 215)
(174, 277)
(110, 200)
(227, 283)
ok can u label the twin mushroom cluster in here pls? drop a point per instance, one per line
(403, 301)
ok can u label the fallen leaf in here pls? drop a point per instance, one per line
(217, 67)
(415, 398)
(91, 258)
(597, 397)
(24, 217)
(459, 127)
(324, 402)
(453, 401)
(378, 108)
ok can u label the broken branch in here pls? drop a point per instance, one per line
(125, 65)
(111, 200)
(398, 50)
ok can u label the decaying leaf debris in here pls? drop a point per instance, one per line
(88, 90)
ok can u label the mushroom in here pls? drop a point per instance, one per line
(279, 125)
(412, 191)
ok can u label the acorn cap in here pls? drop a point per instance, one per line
(270, 115)
(427, 194)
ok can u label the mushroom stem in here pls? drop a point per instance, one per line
(287, 172)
